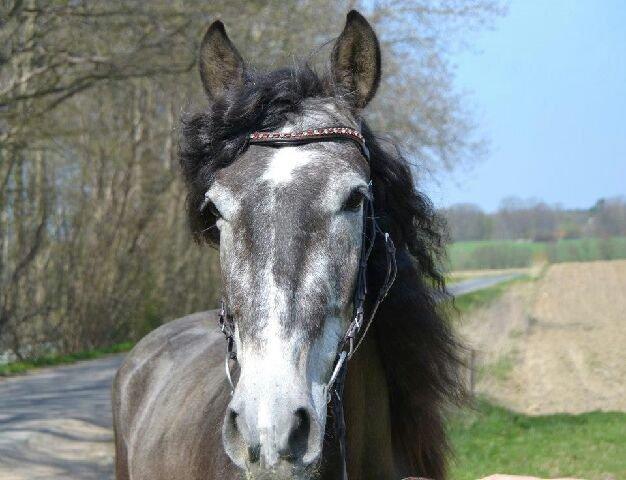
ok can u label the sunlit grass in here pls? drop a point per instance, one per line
(491, 439)
(489, 254)
(481, 298)
(18, 367)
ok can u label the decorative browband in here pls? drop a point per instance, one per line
(311, 135)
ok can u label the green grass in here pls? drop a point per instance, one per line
(18, 367)
(500, 369)
(492, 439)
(483, 254)
(481, 298)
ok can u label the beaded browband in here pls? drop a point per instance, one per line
(311, 135)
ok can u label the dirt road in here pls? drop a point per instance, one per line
(473, 284)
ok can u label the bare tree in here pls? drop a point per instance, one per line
(93, 243)
(467, 221)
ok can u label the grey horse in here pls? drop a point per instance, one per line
(288, 221)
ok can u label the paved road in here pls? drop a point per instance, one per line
(473, 284)
(55, 424)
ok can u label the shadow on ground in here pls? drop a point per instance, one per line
(56, 424)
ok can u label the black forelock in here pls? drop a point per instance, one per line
(215, 137)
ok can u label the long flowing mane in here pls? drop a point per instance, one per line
(419, 351)
(416, 345)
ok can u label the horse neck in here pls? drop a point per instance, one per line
(368, 422)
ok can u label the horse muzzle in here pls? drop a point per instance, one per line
(276, 432)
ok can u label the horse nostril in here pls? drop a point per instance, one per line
(232, 418)
(254, 454)
(289, 437)
(234, 441)
(298, 440)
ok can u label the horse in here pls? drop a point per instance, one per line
(292, 213)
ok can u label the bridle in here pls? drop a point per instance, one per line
(360, 323)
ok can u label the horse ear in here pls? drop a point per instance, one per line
(221, 66)
(356, 59)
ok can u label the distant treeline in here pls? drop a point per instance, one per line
(536, 221)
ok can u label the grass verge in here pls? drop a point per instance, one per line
(481, 298)
(19, 367)
(500, 370)
(492, 439)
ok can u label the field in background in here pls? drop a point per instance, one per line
(492, 254)
(553, 344)
(492, 439)
(544, 345)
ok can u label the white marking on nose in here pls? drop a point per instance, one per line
(276, 359)
(284, 163)
(267, 434)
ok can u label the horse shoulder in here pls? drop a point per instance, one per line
(169, 398)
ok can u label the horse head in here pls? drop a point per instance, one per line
(288, 221)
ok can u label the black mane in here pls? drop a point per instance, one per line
(417, 347)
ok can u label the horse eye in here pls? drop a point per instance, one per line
(213, 210)
(353, 202)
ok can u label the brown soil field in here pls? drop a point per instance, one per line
(556, 344)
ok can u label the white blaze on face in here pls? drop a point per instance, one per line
(283, 164)
(267, 370)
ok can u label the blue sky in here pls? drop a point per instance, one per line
(548, 90)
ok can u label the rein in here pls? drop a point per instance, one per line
(360, 323)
